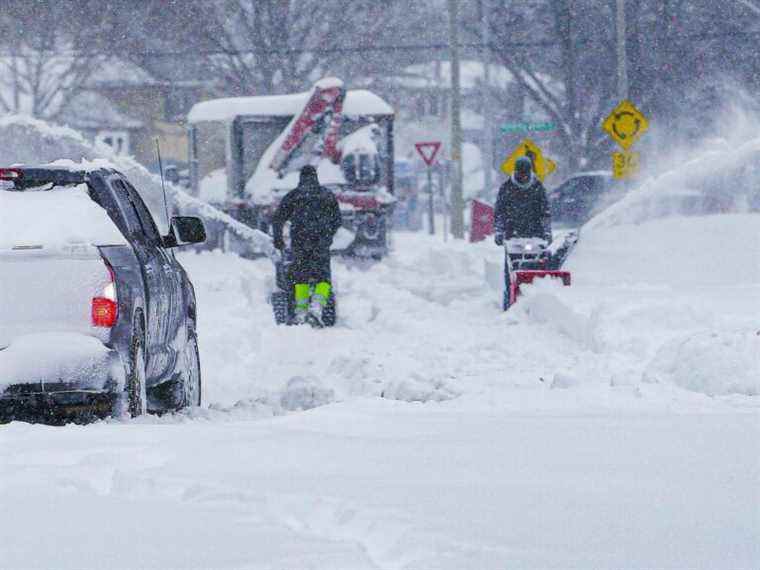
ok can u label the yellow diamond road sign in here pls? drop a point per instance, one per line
(626, 124)
(625, 165)
(542, 165)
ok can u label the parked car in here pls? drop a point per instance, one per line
(581, 196)
(97, 316)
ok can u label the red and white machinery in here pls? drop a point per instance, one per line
(528, 259)
(264, 141)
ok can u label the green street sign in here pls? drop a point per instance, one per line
(544, 127)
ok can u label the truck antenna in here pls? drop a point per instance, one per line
(163, 186)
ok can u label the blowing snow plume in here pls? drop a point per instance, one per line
(682, 248)
(28, 141)
(714, 175)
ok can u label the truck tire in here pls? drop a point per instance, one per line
(132, 401)
(191, 376)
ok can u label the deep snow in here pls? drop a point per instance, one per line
(612, 424)
(604, 425)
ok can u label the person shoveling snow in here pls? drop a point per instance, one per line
(315, 218)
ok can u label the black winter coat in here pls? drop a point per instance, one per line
(314, 217)
(523, 212)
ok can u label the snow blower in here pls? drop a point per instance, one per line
(283, 299)
(528, 259)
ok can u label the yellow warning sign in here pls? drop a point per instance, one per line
(625, 165)
(542, 165)
(626, 124)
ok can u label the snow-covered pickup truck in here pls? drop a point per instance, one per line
(97, 317)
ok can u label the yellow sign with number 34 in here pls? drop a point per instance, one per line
(625, 164)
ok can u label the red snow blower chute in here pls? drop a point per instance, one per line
(528, 259)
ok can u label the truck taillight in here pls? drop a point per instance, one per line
(11, 174)
(105, 307)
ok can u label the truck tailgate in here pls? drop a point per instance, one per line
(49, 291)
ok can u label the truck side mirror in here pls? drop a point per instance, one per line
(186, 230)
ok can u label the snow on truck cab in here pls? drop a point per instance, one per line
(245, 154)
(97, 316)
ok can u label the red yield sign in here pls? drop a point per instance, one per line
(427, 151)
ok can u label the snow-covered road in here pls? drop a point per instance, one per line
(613, 424)
(381, 484)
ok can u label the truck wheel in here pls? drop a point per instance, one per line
(191, 384)
(135, 389)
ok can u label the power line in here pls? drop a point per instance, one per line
(296, 51)
(705, 36)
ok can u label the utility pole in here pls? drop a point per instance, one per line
(622, 56)
(431, 202)
(457, 199)
(487, 112)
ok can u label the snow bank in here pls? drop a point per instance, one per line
(425, 325)
(713, 363)
(676, 293)
(28, 141)
(540, 304)
(672, 252)
(75, 357)
(54, 218)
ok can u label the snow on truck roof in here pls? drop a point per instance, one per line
(55, 218)
(358, 102)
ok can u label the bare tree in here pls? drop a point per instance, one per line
(554, 51)
(40, 82)
(49, 51)
(273, 46)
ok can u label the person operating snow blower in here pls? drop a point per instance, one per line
(522, 224)
(522, 208)
(315, 218)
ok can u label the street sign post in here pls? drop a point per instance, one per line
(626, 124)
(542, 165)
(442, 173)
(428, 152)
(625, 165)
(545, 127)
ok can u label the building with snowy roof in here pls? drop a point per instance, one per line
(159, 104)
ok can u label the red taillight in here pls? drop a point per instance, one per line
(105, 312)
(105, 307)
(11, 174)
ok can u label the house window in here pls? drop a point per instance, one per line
(117, 140)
